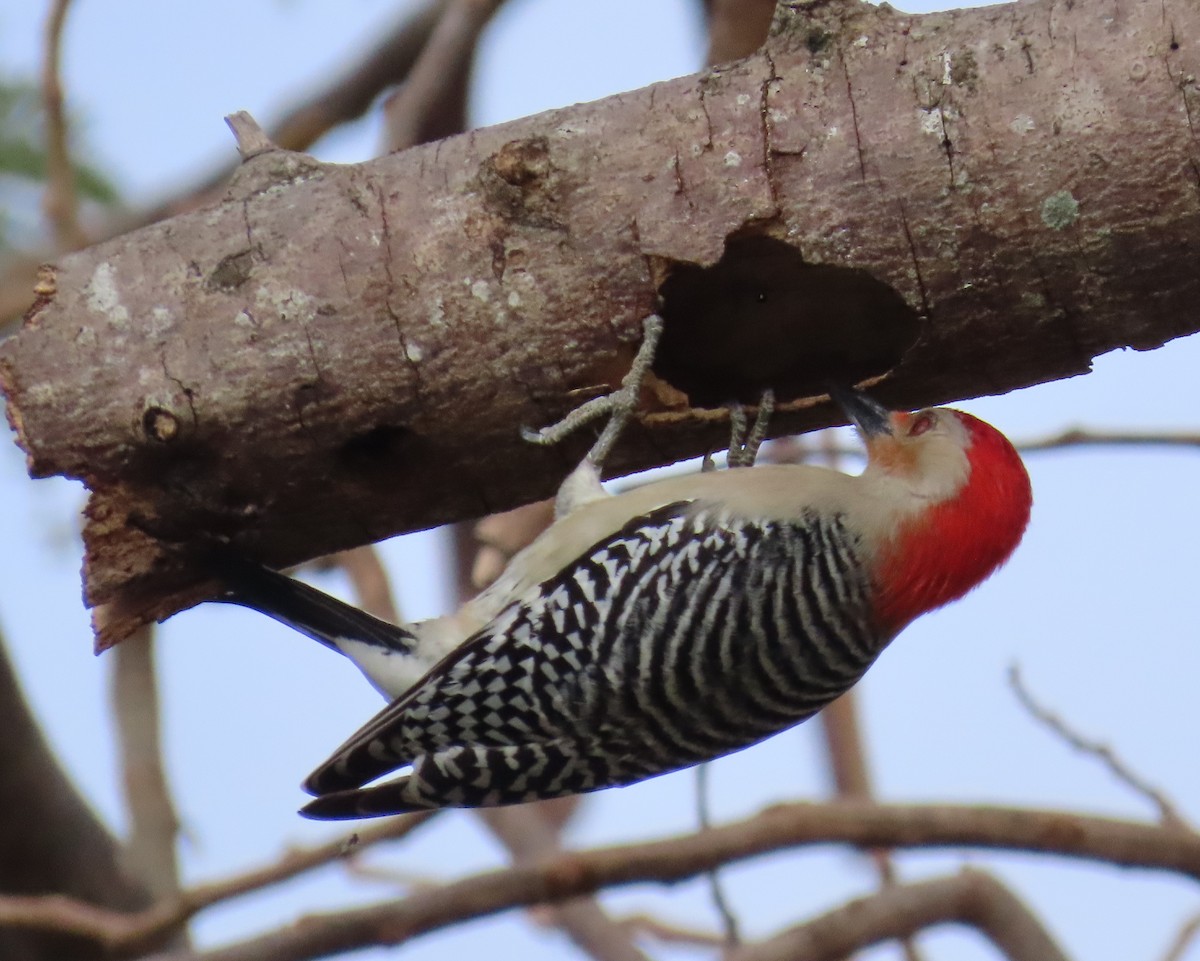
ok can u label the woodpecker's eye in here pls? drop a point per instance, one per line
(920, 424)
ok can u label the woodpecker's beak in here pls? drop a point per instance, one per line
(869, 416)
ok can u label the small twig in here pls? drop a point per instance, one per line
(1183, 939)
(151, 848)
(251, 139)
(972, 897)
(369, 579)
(716, 890)
(667, 933)
(1167, 812)
(432, 100)
(1082, 437)
(60, 201)
(499, 536)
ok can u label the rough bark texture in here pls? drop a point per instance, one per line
(338, 353)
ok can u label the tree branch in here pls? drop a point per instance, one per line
(154, 824)
(972, 898)
(60, 202)
(337, 357)
(49, 838)
(432, 102)
(1167, 812)
(570, 875)
(120, 932)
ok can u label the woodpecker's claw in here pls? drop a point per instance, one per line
(620, 404)
(744, 442)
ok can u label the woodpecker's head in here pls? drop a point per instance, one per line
(954, 499)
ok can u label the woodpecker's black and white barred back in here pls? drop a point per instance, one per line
(667, 625)
(619, 667)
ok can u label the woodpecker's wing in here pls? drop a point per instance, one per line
(688, 633)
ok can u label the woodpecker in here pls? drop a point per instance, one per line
(665, 626)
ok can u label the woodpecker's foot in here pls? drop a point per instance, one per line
(620, 404)
(744, 443)
(582, 486)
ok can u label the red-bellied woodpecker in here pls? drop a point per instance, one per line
(667, 625)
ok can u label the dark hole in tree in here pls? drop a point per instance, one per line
(380, 446)
(761, 317)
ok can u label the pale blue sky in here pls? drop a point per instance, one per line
(1097, 606)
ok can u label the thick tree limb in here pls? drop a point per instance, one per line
(335, 354)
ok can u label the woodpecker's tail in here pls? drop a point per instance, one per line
(303, 608)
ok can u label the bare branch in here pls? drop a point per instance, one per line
(736, 28)
(1183, 940)
(431, 103)
(1167, 812)
(972, 898)
(500, 536)
(372, 588)
(716, 890)
(566, 876)
(531, 839)
(154, 824)
(667, 933)
(60, 201)
(118, 931)
(1082, 437)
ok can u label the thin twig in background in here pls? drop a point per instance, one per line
(1083, 437)
(716, 890)
(60, 201)
(971, 898)
(152, 844)
(369, 580)
(1183, 939)
(431, 103)
(1167, 811)
(663, 931)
